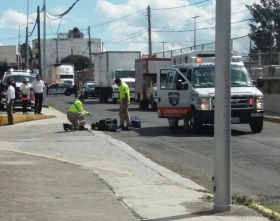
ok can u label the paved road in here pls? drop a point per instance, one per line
(255, 157)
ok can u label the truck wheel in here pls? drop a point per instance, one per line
(143, 105)
(86, 95)
(173, 122)
(115, 100)
(67, 93)
(256, 127)
(100, 96)
(153, 105)
(186, 126)
(194, 124)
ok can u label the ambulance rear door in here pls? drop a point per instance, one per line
(173, 91)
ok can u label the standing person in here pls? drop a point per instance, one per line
(10, 102)
(76, 115)
(124, 101)
(25, 94)
(11, 79)
(75, 88)
(38, 87)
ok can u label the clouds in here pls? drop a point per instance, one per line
(12, 18)
(179, 19)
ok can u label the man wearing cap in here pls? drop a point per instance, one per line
(38, 87)
(25, 94)
(76, 115)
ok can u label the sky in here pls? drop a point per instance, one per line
(122, 24)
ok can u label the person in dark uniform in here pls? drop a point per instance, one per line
(11, 79)
(75, 88)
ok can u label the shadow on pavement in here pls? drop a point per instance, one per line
(206, 131)
(185, 216)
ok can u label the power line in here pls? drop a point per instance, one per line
(198, 21)
(108, 22)
(180, 6)
(133, 35)
(64, 13)
(204, 28)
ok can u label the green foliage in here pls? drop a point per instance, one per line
(265, 22)
(80, 62)
(23, 52)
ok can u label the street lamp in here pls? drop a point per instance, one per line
(194, 29)
(19, 43)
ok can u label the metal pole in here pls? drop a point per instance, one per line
(27, 34)
(163, 49)
(250, 57)
(45, 56)
(259, 59)
(222, 157)
(39, 41)
(57, 48)
(149, 32)
(194, 29)
(102, 46)
(18, 44)
(271, 39)
(90, 56)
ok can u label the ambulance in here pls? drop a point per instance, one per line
(187, 92)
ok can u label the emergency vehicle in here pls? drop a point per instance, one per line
(187, 92)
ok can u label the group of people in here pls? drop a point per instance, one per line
(76, 114)
(25, 90)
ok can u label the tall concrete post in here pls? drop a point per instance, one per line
(222, 158)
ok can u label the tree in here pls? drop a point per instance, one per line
(23, 52)
(265, 26)
(80, 62)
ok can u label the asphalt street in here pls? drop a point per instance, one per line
(255, 157)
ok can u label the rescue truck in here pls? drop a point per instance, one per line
(146, 80)
(187, 92)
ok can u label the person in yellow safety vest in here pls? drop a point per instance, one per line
(76, 114)
(124, 101)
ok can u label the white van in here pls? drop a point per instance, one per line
(187, 92)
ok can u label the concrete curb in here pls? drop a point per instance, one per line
(272, 119)
(24, 118)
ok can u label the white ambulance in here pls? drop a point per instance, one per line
(187, 92)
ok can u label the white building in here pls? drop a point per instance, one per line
(8, 54)
(63, 46)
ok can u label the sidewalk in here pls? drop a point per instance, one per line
(151, 191)
(272, 117)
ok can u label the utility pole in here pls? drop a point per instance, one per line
(222, 112)
(149, 32)
(250, 57)
(271, 44)
(26, 42)
(89, 49)
(194, 31)
(57, 61)
(163, 47)
(45, 55)
(102, 46)
(27, 35)
(39, 41)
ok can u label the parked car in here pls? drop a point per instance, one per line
(60, 88)
(89, 90)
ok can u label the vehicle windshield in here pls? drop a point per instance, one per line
(90, 85)
(19, 78)
(125, 74)
(205, 77)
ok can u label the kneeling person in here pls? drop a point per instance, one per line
(76, 114)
